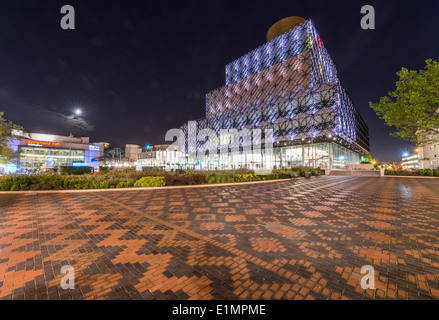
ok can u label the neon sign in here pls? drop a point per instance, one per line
(42, 143)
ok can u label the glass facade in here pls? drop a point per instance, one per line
(322, 155)
(32, 159)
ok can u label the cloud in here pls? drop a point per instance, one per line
(36, 118)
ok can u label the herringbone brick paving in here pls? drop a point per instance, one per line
(304, 239)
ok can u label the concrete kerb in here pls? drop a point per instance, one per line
(147, 188)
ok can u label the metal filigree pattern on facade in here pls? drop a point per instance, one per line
(290, 86)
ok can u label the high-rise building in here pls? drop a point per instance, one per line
(282, 106)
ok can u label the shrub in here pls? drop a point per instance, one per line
(194, 178)
(429, 173)
(436, 173)
(219, 177)
(75, 170)
(150, 182)
(6, 185)
(104, 185)
(422, 172)
(283, 174)
(246, 177)
(113, 182)
(242, 171)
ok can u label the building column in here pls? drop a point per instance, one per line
(280, 162)
(330, 156)
(303, 156)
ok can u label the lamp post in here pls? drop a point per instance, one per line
(70, 148)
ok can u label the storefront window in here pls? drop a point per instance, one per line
(37, 158)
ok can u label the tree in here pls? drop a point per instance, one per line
(6, 135)
(366, 158)
(413, 108)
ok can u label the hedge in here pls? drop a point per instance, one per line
(150, 182)
(421, 172)
(150, 178)
(75, 170)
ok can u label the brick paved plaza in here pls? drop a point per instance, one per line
(304, 239)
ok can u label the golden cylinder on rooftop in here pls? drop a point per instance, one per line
(283, 26)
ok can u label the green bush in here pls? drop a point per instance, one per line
(283, 174)
(246, 177)
(113, 182)
(421, 172)
(75, 170)
(149, 178)
(150, 182)
(220, 177)
(104, 185)
(300, 171)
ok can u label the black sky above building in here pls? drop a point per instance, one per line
(140, 68)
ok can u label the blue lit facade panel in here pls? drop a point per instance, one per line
(283, 47)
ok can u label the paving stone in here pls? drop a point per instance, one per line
(305, 239)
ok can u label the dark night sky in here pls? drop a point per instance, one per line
(139, 68)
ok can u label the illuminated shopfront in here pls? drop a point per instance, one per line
(41, 152)
(32, 158)
(322, 155)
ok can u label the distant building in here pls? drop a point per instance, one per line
(115, 157)
(41, 152)
(410, 162)
(132, 151)
(429, 157)
(160, 156)
(391, 165)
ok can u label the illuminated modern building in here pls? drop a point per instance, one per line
(40, 152)
(282, 105)
(429, 156)
(410, 162)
